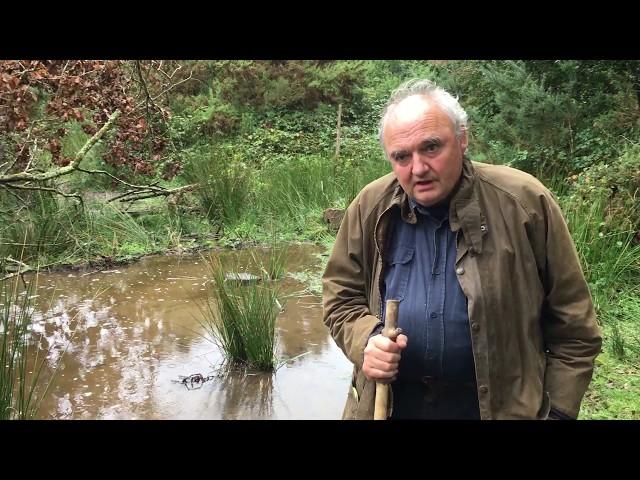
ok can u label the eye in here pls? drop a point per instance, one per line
(431, 147)
(401, 158)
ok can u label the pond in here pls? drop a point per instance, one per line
(125, 337)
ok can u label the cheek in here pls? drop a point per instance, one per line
(403, 174)
(449, 168)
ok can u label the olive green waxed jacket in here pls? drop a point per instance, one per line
(532, 322)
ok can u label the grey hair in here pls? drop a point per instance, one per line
(447, 102)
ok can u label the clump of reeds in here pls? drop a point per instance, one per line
(241, 320)
(21, 388)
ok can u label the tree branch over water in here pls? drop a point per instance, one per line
(32, 179)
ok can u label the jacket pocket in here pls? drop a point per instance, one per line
(353, 407)
(398, 273)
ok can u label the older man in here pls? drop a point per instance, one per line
(497, 319)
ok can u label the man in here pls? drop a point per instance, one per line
(497, 319)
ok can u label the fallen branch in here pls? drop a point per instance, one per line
(49, 189)
(22, 269)
(146, 191)
(150, 191)
(29, 179)
(27, 176)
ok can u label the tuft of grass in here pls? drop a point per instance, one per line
(241, 320)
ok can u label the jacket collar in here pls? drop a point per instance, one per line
(465, 212)
(464, 209)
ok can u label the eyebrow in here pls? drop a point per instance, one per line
(398, 153)
(430, 141)
(424, 143)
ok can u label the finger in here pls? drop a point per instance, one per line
(376, 374)
(386, 357)
(385, 344)
(381, 365)
(402, 341)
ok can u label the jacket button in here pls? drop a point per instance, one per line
(460, 270)
(475, 327)
(483, 389)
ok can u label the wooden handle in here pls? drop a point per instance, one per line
(391, 331)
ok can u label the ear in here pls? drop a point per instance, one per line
(464, 141)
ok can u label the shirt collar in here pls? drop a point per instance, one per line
(464, 212)
(437, 212)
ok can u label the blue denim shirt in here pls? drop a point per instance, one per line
(433, 309)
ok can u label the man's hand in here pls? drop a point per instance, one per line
(382, 357)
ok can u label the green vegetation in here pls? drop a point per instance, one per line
(241, 320)
(259, 138)
(22, 384)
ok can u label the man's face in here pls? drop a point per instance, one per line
(420, 142)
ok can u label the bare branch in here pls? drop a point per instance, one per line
(110, 176)
(12, 260)
(26, 142)
(151, 186)
(32, 179)
(166, 90)
(49, 189)
(134, 195)
(143, 82)
(173, 86)
(169, 77)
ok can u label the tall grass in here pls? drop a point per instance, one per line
(224, 184)
(53, 229)
(297, 191)
(291, 189)
(106, 230)
(241, 320)
(608, 255)
(611, 263)
(21, 389)
(315, 181)
(37, 226)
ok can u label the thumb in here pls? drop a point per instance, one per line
(402, 340)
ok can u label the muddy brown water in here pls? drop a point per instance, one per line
(124, 337)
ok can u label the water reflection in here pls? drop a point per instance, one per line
(249, 396)
(124, 337)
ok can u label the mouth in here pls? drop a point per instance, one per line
(424, 184)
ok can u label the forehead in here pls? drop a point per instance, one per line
(416, 116)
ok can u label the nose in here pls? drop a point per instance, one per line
(419, 165)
